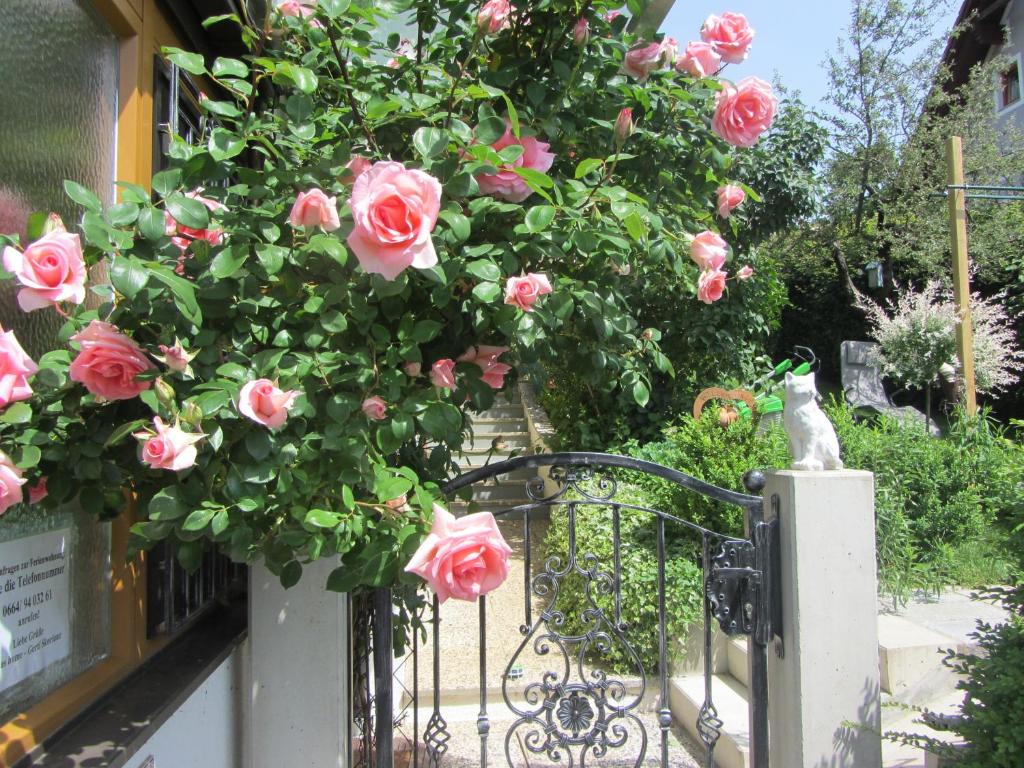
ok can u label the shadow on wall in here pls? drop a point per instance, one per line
(854, 740)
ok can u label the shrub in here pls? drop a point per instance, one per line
(639, 582)
(993, 708)
(717, 455)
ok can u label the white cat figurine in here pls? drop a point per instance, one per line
(812, 438)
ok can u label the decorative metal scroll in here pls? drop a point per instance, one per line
(575, 712)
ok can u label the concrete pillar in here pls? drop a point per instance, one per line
(824, 695)
(298, 703)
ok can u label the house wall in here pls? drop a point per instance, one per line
(1013, 20)
(205, 731)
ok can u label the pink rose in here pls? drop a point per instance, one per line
(399, 502)
(507, 184)
(708, 250)
(642, 59)
(315, 209)
(395, 210)
(486, 358)
(623, 125)
(170, 447)
(581, 32)
(711, 285)
(523, 291)
(744, 111)
(730, 34)
(375, 408)
(211, 235)
(38, 492)
(730, 197)
(412, 369)
(699, 59)
(442, 374)
(462, 558)
(299, 9)
(669, 51)
(493, 17)
(15, 368)
(176, 358)
(745, 272)
(357, 166)
(109, 362)
(51, 270)
(10, 484)
(263, 402)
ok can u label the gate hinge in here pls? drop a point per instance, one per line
(738, 587)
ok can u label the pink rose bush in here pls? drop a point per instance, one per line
(486, 358)
(623, 125)
(524, 291)
(462, 558)
(11, 481)
(168, 447)
(744, 111)
(51, 271)
(266, 403)
(730, 197)
(385, 241)
(730, 34)
(374, 408)
(15, 368)
(442, 374)
(699, 59)
(711, 285)
(312, 209)
(38, 492)
(395, 210)
(494, 16)
(108, 363)
(645, 58)
(507, 184)
(708, 250)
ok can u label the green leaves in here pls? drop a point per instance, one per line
(190, 62)
(430, 142)
(188, 212)
(82, 196)
(539, 217)
(128, 275)
(224, 145)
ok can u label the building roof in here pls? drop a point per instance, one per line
(981, 22)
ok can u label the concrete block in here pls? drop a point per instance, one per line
(686, 697)
(824, 692)
(298, 703)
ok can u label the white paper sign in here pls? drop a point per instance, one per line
(34, 601)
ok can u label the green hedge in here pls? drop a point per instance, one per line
(949, 510)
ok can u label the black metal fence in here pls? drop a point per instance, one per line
(576, 710)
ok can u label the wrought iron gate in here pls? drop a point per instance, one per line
(576, 711)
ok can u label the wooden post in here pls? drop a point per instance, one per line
(957, 197)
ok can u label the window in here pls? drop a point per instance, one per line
(59, 122)
(1009, 87)
(173, 596)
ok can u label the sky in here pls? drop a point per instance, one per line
(793, 38)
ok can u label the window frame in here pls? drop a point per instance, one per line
(142, 30)
(1002, 109)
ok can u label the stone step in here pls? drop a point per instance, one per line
(686, 697)
(509, 411)
(510, 490)
(499, 426)
(910, 660)
(736, 653)
(900, 719)
(482, 441)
